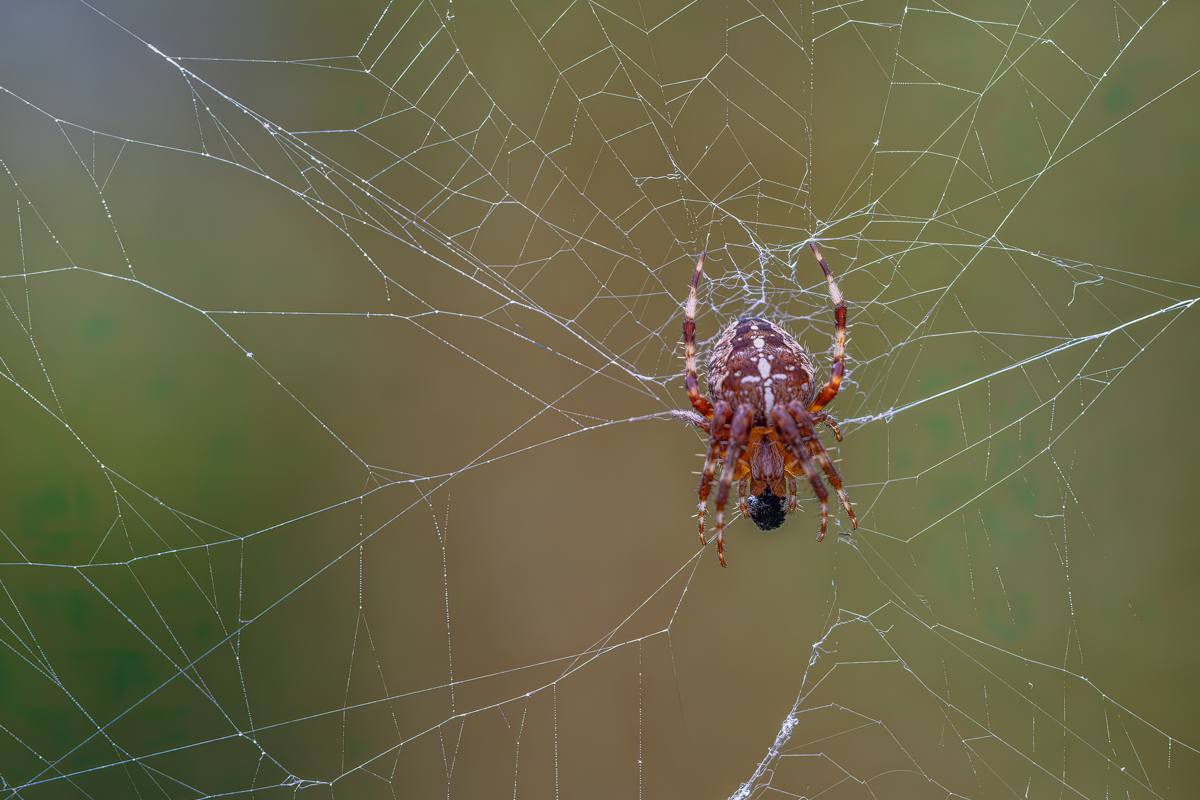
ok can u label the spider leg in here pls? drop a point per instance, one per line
(839, 351)
(691, 418)
(699, 401)
(739, 435)
(716, 438)
(819, 418)
(793, 440)
(821, 455)
(791, 489)
(742, 488)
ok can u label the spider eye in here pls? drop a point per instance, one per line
(768, 510)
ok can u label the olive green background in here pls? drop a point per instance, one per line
(339, 347)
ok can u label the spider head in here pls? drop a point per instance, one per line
(768, 510)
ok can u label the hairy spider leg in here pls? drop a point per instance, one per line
(821, 418)
(792, 491)
(699, 401)
(809, 433)
(839, 351)
(792, 439)
(739, 435)
(716, 438)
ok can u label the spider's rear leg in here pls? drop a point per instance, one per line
(690, 380)
(821, 418)
(830, 390)
(791, 437)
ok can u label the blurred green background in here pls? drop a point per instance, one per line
(337, 355)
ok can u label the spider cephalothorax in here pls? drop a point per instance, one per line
(763, 414)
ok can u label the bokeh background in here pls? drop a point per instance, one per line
(338, 348)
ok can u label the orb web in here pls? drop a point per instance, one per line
(339, 349)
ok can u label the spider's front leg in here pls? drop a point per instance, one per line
(791, 489)
(739, 435)
(793, 440)
(817, 451)
(717, 437)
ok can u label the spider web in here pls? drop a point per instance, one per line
(339, 348)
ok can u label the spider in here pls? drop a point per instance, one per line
(763, 416)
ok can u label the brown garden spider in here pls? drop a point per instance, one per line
(762, 421)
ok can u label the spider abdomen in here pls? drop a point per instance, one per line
(759, 364)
